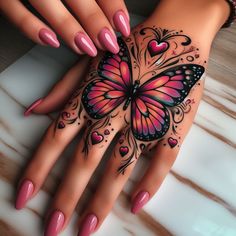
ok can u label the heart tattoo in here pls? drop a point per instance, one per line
(123, 150)
(156, 48)
(96, 137)
(61, 125)
(172, 142)
(106, 132)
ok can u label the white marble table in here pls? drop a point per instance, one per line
(198, 197)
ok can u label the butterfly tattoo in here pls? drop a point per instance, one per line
(149, 101)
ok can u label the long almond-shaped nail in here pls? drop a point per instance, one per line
(139, 201)
(48, 37)
(85, 44)
(25, 191)
(108, 40)
(29, 110)
(122, 23)
(55, 223)
(88, 225)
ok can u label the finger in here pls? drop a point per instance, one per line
(115, 175)
(61, 92)
(117, 14)
(65, 25)
(160, 165)
(87, 158)
(102, 32)
(164, 156)
(29, 24)
(56, 138)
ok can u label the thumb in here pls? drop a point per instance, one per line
(61, 91)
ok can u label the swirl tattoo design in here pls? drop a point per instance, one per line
(163, 65)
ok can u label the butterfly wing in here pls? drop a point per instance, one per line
(109, 89)
(150, 117)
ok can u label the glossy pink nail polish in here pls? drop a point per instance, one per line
(48, 37)
(32, 106)
(88, 225)
(85, 44)
(139, 201)
(25, 191)
(108, 40)
(122, 23)
(55, 223)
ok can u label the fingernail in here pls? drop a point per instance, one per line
(139, 201)
(32, 107)
(108, 40)
(24, 193)
(122, 23)
(88, 225)
(84, 43)
(55, 224)
(48, 37)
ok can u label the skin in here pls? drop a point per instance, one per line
(199, 20)
(59, 15)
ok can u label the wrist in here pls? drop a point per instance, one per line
(201, 19)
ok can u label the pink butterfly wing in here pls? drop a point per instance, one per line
(109, 90)
(150, 116)
(173, 85)
(150, 119)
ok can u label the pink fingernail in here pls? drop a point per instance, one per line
(108, 40)
(32, 107)
(122, 23)
(55, 224)
(84, 43)
(139, 201)
(88, 225)
(24, 193)
(48, 37)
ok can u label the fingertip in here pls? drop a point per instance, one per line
(48, 37)
(121, 22)
(141, 198)
(24, 193)
(30, 109)
(85, 44)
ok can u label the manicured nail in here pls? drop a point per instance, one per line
(108, 40)
(55, 224)
(88, 225)
(32, 107)
(24, 193)
(48, 37)
(85, 44)
(122, 23)
(139, 201)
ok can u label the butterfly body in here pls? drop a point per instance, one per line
(131, 94)
(114, 86)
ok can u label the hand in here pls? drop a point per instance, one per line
(146, 95)
(92, 23)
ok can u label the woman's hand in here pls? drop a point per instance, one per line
(83, 25)
(143, 98)
(147, 94)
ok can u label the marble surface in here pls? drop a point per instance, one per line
(196, 199)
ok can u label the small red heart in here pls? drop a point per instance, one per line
(106, 132)
(121, 141)
(123, 150)
(61, 125)
(96, 137)
(172, 142)
(156, 48)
